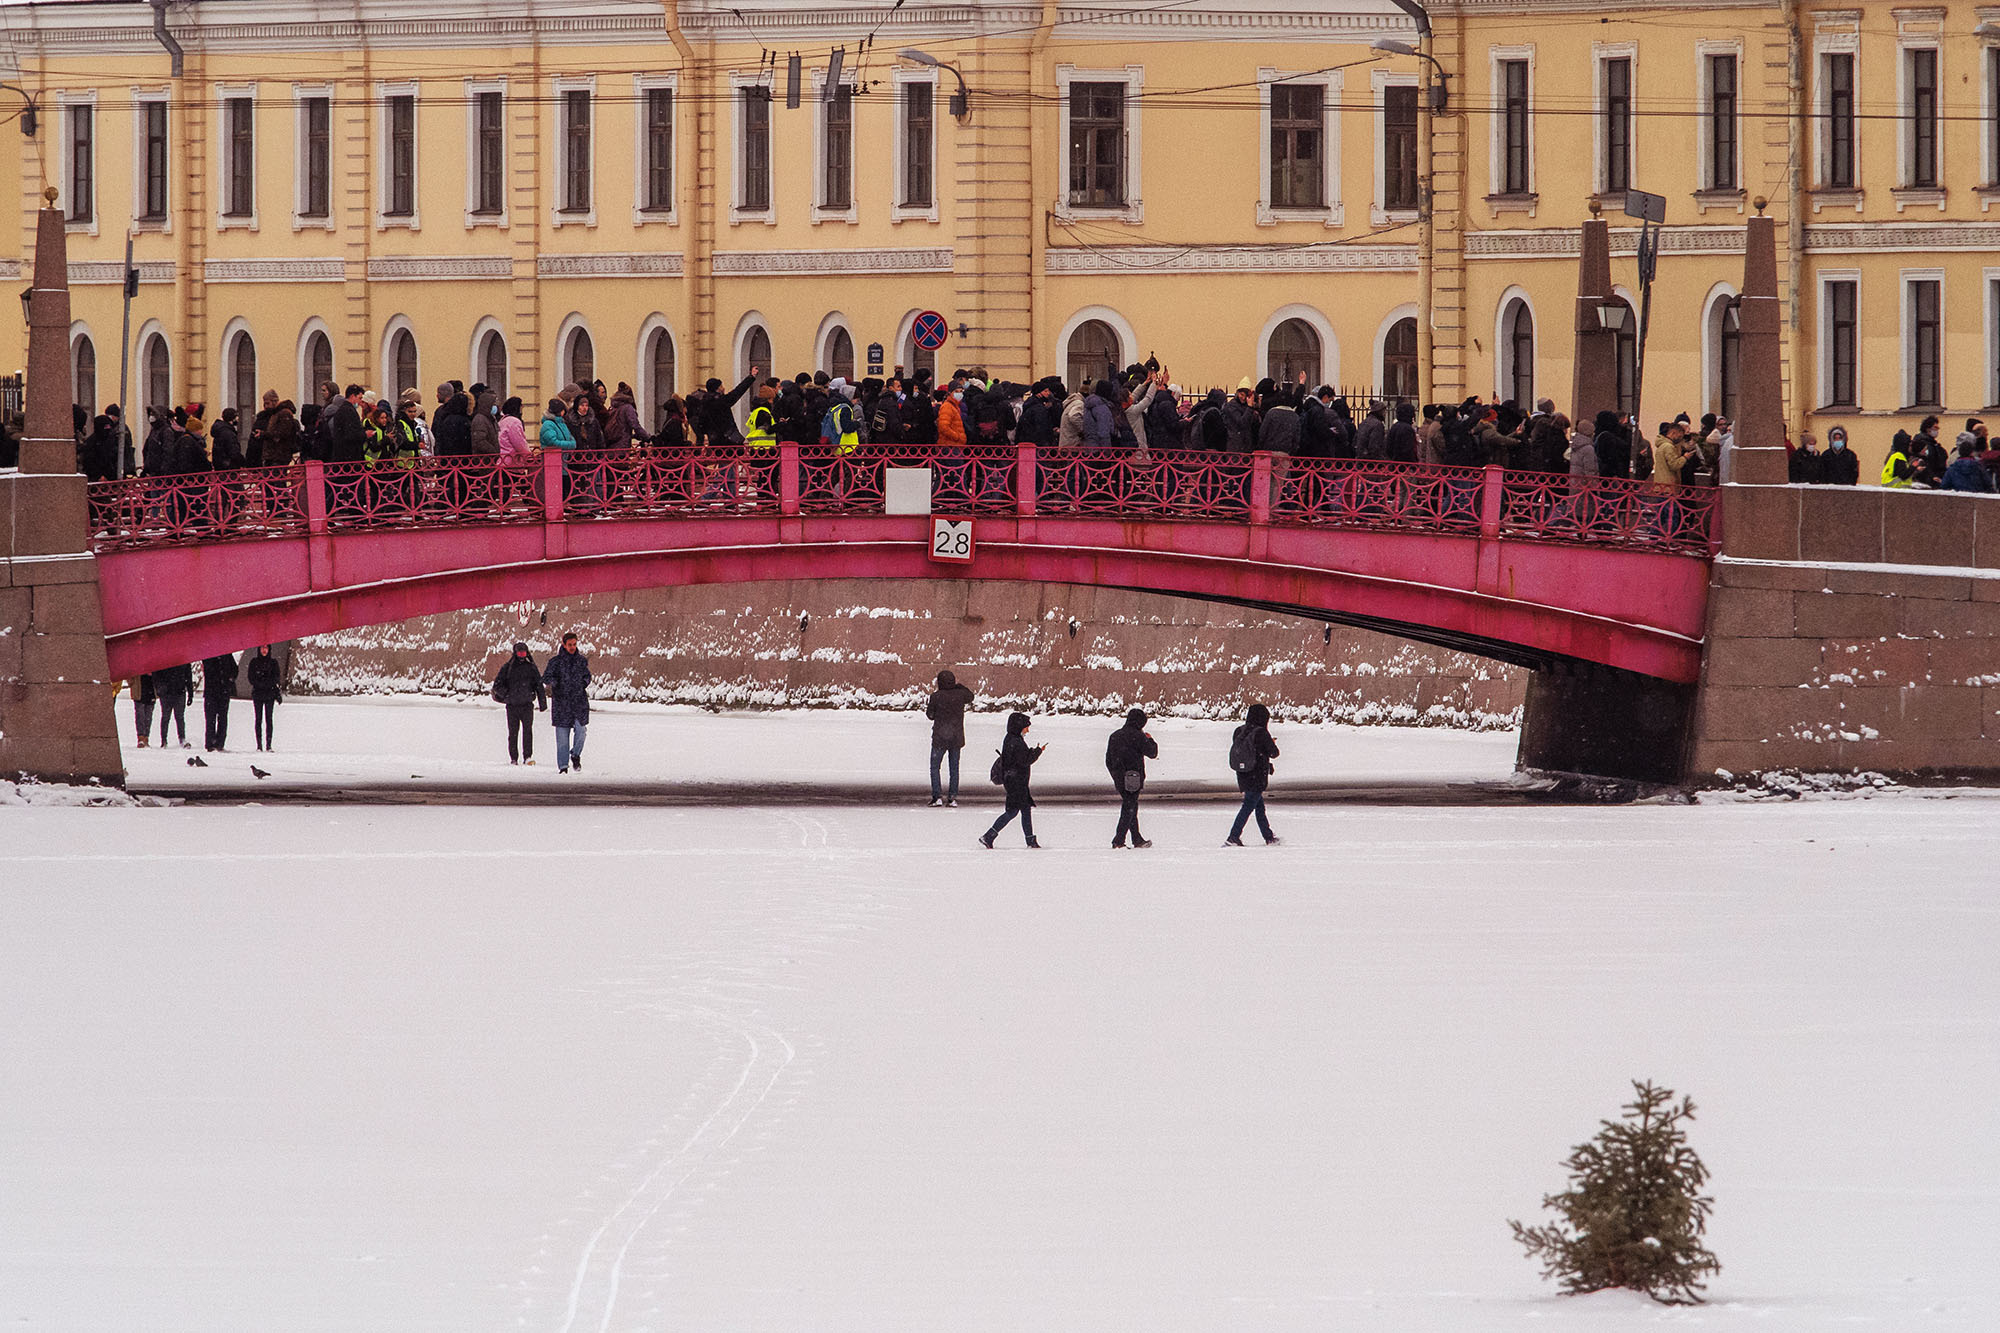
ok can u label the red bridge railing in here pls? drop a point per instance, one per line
(1276, 490)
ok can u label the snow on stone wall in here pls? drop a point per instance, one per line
(1052, 647)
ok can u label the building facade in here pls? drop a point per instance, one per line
(399, 193)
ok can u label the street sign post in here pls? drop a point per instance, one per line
(1651, 212)
(929, 331)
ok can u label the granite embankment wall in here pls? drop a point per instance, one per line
(877, 644)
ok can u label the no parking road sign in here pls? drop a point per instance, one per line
(929, 331)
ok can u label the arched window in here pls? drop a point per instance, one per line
(757, 350)
(582, 367)
(159, 370)
(1627, 338)
(402, 362)
(917, 358)
(840, 354)
(83, 374)
(1725, 357)
(1399, 361)
(243, 379)
(493, 362)
(660, 370)
(1092, 355)
(319, 365)
(1517, 371)
(1294, 351)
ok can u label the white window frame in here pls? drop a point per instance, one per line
(141, 98)
(821, 212)
(1906, 282)
(1134, 79)
(301, 94)
(1331, 84)
(1828, 278)
(1503, 347)
(1906, 42)
(142, 382)
(738, 214)
(1704, 127)
(1600, 52)
(1989, 100)
(1990, 285)
(642, 85)
(898, 211)
(562, 86)
(383, 92)
(233, 332)
(1839, 35)
(475, 353)
(308, 389)
(65, 102)
(1379, 82)
(576, 322)
(473, 89)
(1496, 162)
(224, 92)
(386, 367)
(650, 392)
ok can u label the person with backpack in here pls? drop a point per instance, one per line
(1011, 770)
(519, 686)
(1125, 757)
(1251, 751)
(265, 694)
(946, 710)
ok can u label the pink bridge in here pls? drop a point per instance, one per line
(1526, 567)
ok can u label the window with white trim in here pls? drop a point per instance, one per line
(1720, 128)
(1513, 172)
(1395, 98)
(833, 152)
(1098, 142)
(489, 152)
(1840, 335)
(916, 142)
(1923, 339)
(575, 124)
(151, 153)
(1837, 146)
(1614, 124)
(239, 157)
(79, 160)
(1920, 118)
(656, 159)
(1299, 123)
(313, 204)
(399, 155)
(753, 148)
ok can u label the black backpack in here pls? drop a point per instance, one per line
(999, 774)
(1243, 757)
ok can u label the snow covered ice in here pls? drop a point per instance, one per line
(789, 1067)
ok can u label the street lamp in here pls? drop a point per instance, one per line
(30, 114)
(961, 102)
(1612, 316)
(1439, 94)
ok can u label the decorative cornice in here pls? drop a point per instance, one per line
(1837, 237)
(275, 25)
(274, 270)
(1567, 242)
(808, 263)
(439, 268)
(10, 268)
(654, 264)
(1139, 260)
(111, 273)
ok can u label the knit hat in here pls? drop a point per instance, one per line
(1243, 384)
(411, 398)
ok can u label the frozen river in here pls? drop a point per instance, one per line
(561, 1069)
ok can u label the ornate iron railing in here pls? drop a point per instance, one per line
(1021, 480)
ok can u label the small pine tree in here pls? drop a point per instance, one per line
(1634, 1213)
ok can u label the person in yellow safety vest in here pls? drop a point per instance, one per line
(1896, 470)
(760, 438)
(840, 428)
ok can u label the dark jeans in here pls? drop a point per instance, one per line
(1253, 803)
(173, 709)
(142, 717)
(261, 713)
(938, 753)
(520, 731)
(1027, 815)
(1128, 818)
(215, 708)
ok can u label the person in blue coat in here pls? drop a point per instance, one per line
(568, 679)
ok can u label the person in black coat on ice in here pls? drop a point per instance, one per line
(946, 710)
(568, 679)
(1251, 751)
(1125, 756)
(264, 694)
(1017, 757)
(174, 686)
(218, 688)
(519, 686)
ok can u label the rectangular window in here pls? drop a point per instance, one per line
(241, 131)
(1616, 171)
(660, 150)
(402, 200)
(82, 163)
(837, 187)
(1840, 120)
(1923, 111)
(490, 197)
(153, 208)
(756, 150)
(576, 150)
(1097, 145)
(1298, 145)
(1514, 127)
(1841, 330)
(1993, 115)
(1722, 122)
(318, 200)
(919, 102)
(1925, 337)
(1399, 148)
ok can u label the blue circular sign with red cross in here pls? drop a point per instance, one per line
(929, 331)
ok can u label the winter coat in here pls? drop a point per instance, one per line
(715, 424)
(189, 456)
(987, 415)
(1127, 752)
(1614, 453)
(483, 430)
(1040, 420)
(218, 676)
(142, 690)
(281, 440)
(623, 429)
(1371, 438)
(174, 683)
(264, 679)
(514, 450)
(1400, 442)
(452, 428)
(1069, 426)
(1259, 732)
(1804, 466)
(1840, 467)
(950, 425)
(349, 442)
(568, 679)
(225, 447)
(1135, 415)
(1100, 430)
(519, 683)
(1668, 461)
(946, 710)
(1239, 424)
(1315, 430)
(1583, 457)
(1282, 432)
(1017, 758)
(1163, 422)
(554, 434)
(1929, 460)
(885, 421)
(1968, 474)
(919, 419)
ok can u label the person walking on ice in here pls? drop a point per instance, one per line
(1125, 756)
(1017, 757)
(1251, 751)
(568, 679)
(519, 687)
(946, 710)
(265, 694)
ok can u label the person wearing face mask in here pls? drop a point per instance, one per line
(1838, 466)
(1805, 466)
(519, 686)
(885, 423)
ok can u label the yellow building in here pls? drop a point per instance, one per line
(399, 193)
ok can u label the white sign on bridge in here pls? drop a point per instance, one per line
(951, 540)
